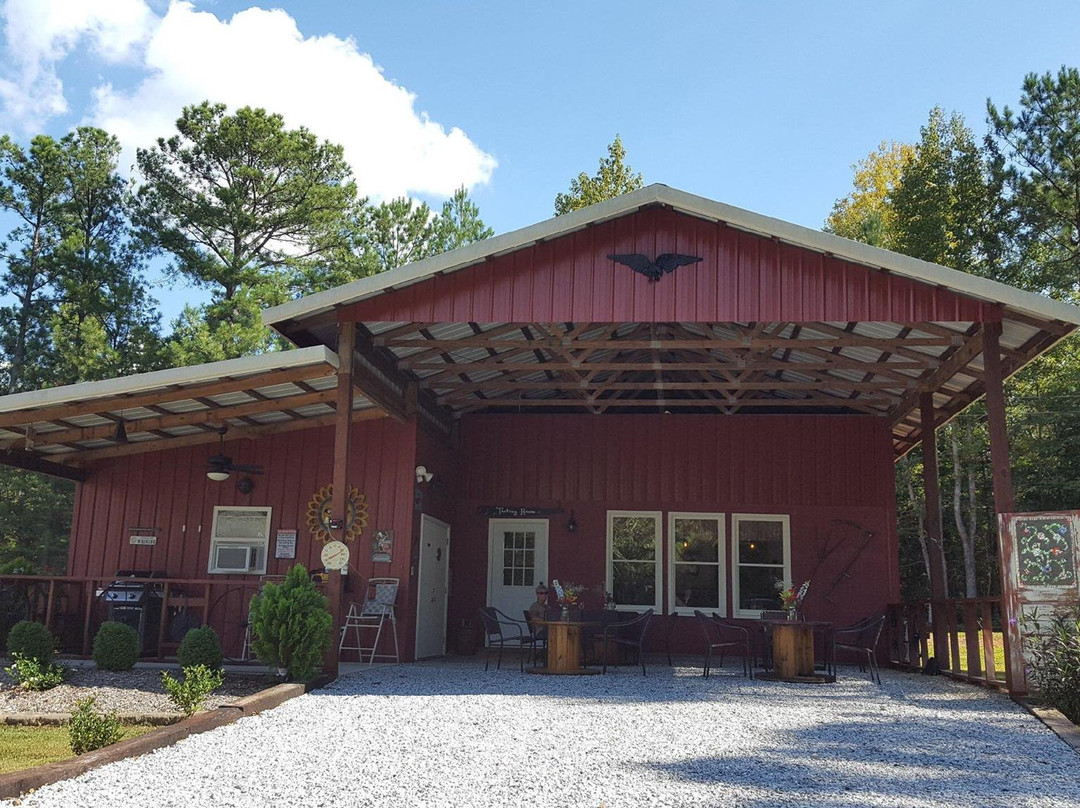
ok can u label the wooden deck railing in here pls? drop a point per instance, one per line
(970, 631)
(74, 607)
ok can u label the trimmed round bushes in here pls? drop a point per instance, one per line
(116, 647)
(32, 641)
(200, 646)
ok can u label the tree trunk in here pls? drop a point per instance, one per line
(966, 531)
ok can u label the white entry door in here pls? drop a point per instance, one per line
(433, 580)
(517, 562)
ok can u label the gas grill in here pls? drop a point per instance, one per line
(137, 604)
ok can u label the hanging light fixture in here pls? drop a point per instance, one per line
(571, 526)
(120, 435)
(218, 476)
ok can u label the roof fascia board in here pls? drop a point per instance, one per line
(171, 377)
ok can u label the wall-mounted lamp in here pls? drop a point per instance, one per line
(571, 526)
(245, 485)
(217, 475)
(423, 475)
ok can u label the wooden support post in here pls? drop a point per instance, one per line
(988, 642)
(163, 622)
(339, 500)
(49, 603)
(88, 594)
(932, 495)
(972, 641)
(1004, 502)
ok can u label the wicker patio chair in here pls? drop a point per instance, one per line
(720, 633)
(629, 633)
(503, 631)
(766, 634)
(860, 638)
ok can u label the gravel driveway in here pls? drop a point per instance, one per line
(449, 734)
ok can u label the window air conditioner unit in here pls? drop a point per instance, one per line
(236, 558)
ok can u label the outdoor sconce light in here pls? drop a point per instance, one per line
(423, 475)
(217, 476)
(571, 526)
(245, 485)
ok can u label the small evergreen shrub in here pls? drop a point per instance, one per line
(198, 683)
(1052, 644)
(91, 729)
(33, 674)
(32, 641)
(200, 646)
(290, 624)
(116, 647)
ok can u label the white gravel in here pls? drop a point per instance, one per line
(449, 734)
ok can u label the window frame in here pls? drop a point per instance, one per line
(216, 541)
(658, 557)
(736, 519)
(721, 560)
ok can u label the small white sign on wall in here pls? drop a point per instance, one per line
(285, 546)
(146, 541)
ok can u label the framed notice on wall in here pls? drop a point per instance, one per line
(285, 546)
(382, 546)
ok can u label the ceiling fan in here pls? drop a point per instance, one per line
(220, 465)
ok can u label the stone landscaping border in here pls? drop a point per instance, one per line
(18, 783)
(1055, 721)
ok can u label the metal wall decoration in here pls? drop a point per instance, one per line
(382, 546)
(654, 270)
(510, 512)
(319, 515)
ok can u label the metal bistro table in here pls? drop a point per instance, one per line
(793, 652)
(564, 647)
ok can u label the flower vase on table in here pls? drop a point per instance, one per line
(567, 595)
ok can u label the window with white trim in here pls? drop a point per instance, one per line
(239, 540)
(761, 556)
(697, 576)
(633, 558)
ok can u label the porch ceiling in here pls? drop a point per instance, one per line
(868, 368)
(249, 397)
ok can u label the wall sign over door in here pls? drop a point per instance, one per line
(511, 512)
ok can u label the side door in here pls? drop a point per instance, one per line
(517, 562)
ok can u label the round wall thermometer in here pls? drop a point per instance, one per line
(335, 555)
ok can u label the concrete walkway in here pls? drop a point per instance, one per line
(438, 734)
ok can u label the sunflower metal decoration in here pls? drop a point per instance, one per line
(319, 514)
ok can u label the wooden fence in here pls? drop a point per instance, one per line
(969, 631)
(73, 608)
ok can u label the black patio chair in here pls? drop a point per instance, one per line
(539, 634)
(860, 638)
(669, 629)
(766, 635)
(514, 635)
(629, 633)
(719, 633)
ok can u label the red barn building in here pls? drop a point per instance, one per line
(682, 440)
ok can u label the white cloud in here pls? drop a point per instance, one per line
(40, 34)
(256, 58)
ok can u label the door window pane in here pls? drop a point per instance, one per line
(519, 558)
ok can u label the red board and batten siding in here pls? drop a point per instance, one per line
(169, 491)
(814, 468)
(742, 277)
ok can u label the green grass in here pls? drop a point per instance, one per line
(26, 747)
(999, 653)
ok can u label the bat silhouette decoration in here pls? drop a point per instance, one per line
(654, 270)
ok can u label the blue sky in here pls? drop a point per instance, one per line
(761, 105)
